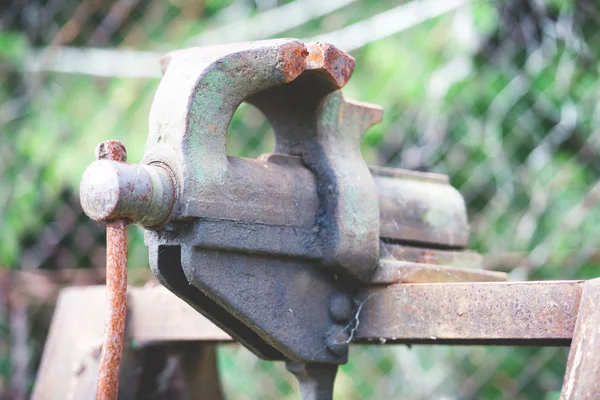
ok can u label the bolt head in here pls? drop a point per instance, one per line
(340, 307)
(338, 342)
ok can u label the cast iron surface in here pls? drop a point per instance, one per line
(257, 265)
(316, 380)
(296, 87)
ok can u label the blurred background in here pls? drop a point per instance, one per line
(500, 95)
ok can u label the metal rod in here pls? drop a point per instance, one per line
(316, 380)
(116, 285)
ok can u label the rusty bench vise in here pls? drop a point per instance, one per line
(274, 249)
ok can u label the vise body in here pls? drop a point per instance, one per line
(273, 249)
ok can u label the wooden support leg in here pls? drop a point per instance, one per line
(582, 378)
(167, 363)
(71, 359)
(199, 361)
(180, 371)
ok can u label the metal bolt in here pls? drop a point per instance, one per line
(116, 288)
(340, 307)
(338, 342)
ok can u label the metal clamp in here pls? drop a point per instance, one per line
(296, 87)
(275, 250)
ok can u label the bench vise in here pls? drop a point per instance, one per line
(274, 249)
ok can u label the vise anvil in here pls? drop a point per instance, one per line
(274, 249)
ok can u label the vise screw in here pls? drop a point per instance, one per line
(274, 249)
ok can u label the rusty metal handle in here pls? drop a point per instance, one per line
(116, 284)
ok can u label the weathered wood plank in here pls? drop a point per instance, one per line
(159, 315)
(476, 313)
(70, 361)
(582, 378)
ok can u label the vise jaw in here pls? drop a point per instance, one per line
(272, 249)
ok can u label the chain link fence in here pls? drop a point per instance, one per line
(502, 96)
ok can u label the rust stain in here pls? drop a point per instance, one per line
(429, 257)
(111, 150)
(144, 197)
(315, 54)
(338, 64)
(116, 285)
(292, 60)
